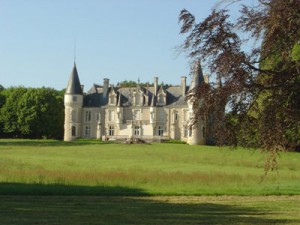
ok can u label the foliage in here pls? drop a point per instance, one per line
(32, 112)
(259, 88)
(130, 83)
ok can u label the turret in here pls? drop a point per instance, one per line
(197, 76)
(196, 136)
(73, 101)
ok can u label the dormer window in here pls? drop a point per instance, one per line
(137, 99)
(161, 99)
(112, 99)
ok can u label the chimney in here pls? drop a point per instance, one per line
(82, 87)
(155, 85)
(183, 86)
(105, 87)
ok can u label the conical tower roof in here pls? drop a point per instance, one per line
(74, 86)
(198, 77)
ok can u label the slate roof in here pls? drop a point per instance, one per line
(74, 86)
(94, 97)
(198, 77)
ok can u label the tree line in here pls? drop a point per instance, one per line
(31, 113)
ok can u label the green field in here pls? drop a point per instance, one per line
(91, 182)
(96, 168)
(158, 210)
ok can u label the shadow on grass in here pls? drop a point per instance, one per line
(32, 142)
(58, 209)
(67, 190)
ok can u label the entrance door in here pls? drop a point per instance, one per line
(137, 131)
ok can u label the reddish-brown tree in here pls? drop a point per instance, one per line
(260, 88)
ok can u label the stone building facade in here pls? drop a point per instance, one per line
(151, 113)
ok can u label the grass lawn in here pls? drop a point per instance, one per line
(90, 182)
(159, 210)
(96, 168)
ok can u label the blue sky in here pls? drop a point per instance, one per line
(115, 39)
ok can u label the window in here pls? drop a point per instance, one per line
(88, 116)
(161, 116)
(185, 115)
(111, 115)
(112, 100)
(111, 131)
(136, 131)
(176, 116)
(136, 115)
(74, 98)
(161, 99)
(87, 131)
(190, 131)
(73, 131)
(186, 131)
(160, 131)
(98, 116)
(137, 99)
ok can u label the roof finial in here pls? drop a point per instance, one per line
(74, 50)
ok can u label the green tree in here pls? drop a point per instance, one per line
(10, 110)
(33, 113)
(264, 80)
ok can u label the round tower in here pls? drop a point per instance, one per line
(73, 101)
(196, 130)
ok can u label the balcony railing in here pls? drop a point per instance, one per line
(137, 122)
(147, 138)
